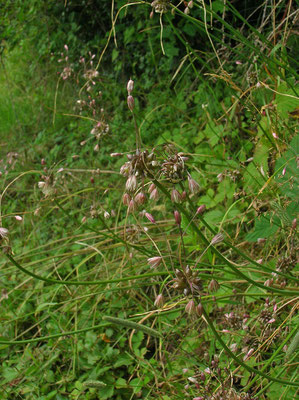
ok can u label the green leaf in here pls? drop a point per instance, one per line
(264, 228)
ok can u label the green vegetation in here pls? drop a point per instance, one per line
(149, 200)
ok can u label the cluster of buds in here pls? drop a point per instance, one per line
(139, 166)
(161, 6)
(100, 129)
(173, 168)
(267, 317)
(67, 70)
(208, 387)
(47, 186)
(90, 73)
(235, 321)
(187, 280)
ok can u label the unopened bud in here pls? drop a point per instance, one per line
(130, 86)
(151, 188)
(201, 209)
(131, 184)
(261, 240)
(154, 262)
(294, 223)
(126, 199)
(217, 239)
(3, 233)
(213, 286)
(131, 206)
(106, 215)
(154, 194)
(248, 355)
(177, 217)
(115, 154)
(193, 186)
(159, 302)
(190, 307)
(131, 102)
(199, 310)
(18, 218)
(175, 196)
(140, 198)
(150, 217)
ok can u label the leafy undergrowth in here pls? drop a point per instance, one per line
(149, 243)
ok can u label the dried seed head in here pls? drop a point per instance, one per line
(130, 86)
(131, 102)
(154, 262)
(177, 217)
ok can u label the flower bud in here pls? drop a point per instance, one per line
(159, 302)
(217, 239)
(193, 186)
(201, 209)
(154, 262)
(294, 223)
(199, 310)
(126, 199)
(213, 286)
(131, 184)
(131, 102)
(175, 196)
(151, 188)
(140, 198)
(184, 195)
(130, 86)
(154, 194)
(106, 215)
(190, 307)
(177, 217)
(116, 154)
(150, 217)
(131, 206)
(261, 240)
(3, 233)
